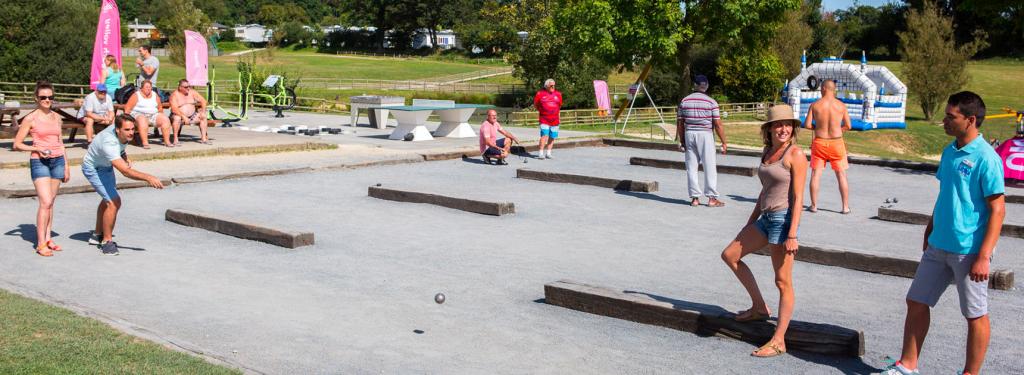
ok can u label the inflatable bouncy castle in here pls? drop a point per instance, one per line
(874, 97)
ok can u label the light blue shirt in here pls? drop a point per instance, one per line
(104, 149)
(967, 176)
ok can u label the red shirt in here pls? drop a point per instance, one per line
(548, 104)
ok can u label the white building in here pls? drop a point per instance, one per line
(445, 39)
(138, 30)
(253, 33)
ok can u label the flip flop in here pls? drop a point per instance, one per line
(146, 147)
(775, 351)
(812, 210)
(53, 246)
(694, 203)
(847, 212)
(752, 316)
(717, 203)
(44, 251)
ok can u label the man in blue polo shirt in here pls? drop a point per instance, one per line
(961, 236)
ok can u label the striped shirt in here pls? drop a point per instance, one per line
(698, 110)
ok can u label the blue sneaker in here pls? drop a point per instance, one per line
(109, 248)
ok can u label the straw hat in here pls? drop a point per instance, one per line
(781, 112)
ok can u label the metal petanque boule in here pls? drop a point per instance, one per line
(439, 298)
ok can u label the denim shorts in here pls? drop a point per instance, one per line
(549, 131)
(103, 180)
(52, 168)
(775, 225)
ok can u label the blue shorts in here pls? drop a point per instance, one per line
(775, 226)
(549, 131)
(491, 151)
(103, 180)
(52, 168)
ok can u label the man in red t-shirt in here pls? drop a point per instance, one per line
(548, 102)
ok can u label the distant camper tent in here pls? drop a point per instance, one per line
(874, 97)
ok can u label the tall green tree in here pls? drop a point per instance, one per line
(181, 15)
(934, 66)
(34, 45)
(731, 24)
(791, 39)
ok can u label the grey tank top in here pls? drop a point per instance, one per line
(775, 184)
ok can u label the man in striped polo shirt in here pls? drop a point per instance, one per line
(696, 116)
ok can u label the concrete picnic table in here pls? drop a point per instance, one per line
(379, 117)
(412, 119)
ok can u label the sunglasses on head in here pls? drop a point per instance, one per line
(42, 97)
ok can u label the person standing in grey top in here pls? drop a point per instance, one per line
(696, 116)
(149, 65)
(774, 223)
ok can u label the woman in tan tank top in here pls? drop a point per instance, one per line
(773, 223)
(47, 163)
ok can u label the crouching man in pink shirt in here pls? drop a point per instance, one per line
(490, 145)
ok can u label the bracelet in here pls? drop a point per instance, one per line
(792, 238)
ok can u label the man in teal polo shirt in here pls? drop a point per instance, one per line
(961, 236)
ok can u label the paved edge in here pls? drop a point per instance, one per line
(852, 260)
(77, 189)
(475, 152)
(217, 151)
(627, 185)
(469, 205)
(673, 164)
(900, 216)
(129, 328)
(404, 159)
(649, 309)
(891, 163)
(240, 229)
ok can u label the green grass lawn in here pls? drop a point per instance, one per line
(37, 338)
(308, 64)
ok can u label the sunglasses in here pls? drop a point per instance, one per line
(41, 97)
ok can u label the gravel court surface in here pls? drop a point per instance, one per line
(350, 303)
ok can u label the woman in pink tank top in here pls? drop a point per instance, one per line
(47, 163)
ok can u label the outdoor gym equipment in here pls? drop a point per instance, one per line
(280, 97)
(243, 100)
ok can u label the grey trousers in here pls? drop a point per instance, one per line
(700, 150)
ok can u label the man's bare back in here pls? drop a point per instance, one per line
(828, 114)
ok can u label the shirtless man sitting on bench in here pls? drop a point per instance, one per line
(188, 107)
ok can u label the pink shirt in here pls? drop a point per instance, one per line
(45, 132)
(488, 131)
(548, 104)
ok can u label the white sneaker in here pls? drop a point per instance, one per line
(549, 155)
(896, 368)
(94, 239)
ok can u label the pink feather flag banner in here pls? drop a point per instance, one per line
(108, 40)
(196, 58)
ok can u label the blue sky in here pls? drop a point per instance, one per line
(831, 5)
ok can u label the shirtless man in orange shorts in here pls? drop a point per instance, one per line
(829, 119)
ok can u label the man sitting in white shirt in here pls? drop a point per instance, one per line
(98, 109)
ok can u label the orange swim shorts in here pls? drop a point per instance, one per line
(829, 151)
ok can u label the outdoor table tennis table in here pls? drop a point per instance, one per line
(412, 119)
